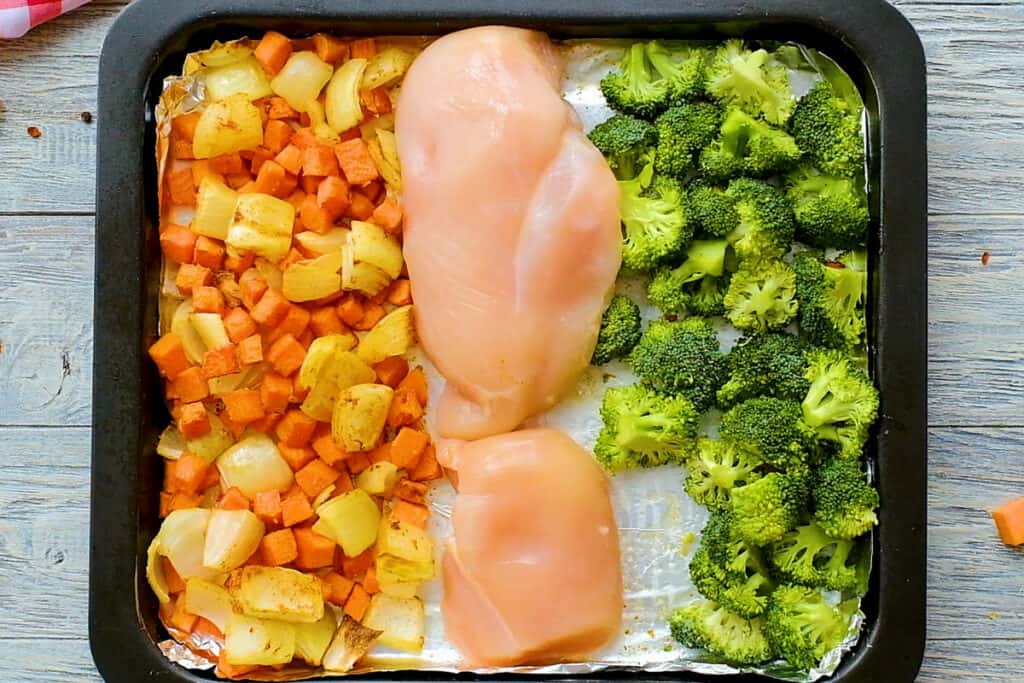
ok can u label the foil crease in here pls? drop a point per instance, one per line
(653, 512)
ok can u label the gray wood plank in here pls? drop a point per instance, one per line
(975, 354)
(46, 320)
(48, 78)
(972, 660)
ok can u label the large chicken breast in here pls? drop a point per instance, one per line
(512, 235)
(532, 574)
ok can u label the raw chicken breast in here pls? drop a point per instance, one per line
(512, 235)
(532, 574)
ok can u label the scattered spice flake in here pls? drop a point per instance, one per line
(650, 632)
(34, 132)
(985, 256)
(993, 615)
(86, 116)
(2, 107)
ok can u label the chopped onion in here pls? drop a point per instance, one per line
(301, 79)
(231, 537)
(209, 601)
(213, 443)
(342, 104)
(254, 465)
(171, 444)
(181, 326)
(215, 207)
(181, 539)
(227, 126)
(243, 77)
(263, 225)
(250, 641)
(330, 241)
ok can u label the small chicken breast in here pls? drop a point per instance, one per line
(512, 237)
(532, 574)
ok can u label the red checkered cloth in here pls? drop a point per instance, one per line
(18, 16)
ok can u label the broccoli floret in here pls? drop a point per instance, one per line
(707, 297)
(635, 87)
(707, 577)
(841, 403)
(703, 259)
(844, 501)
(766, 225)
(770, 506)
(830, 211)
(712, 211)
(727, 548)
(626, 142)
(682, 69)
(832, 296)
(808, 556)
(751, 81)
(682, 132)
(747, 146)
(744, 583)
(654, 220)
(761, 296)
(710, 626)
(716, 469)
(828, 129)
(681, 357)
(773, 428)
(643, 428)
(620, 330)
(765, 365)
(802, 627)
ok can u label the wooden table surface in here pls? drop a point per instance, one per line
(976, 359)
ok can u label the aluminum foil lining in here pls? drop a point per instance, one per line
(659, 524)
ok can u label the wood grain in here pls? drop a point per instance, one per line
(976, 119)
(46, 320)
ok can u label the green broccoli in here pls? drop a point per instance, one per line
(682, 132)
(841, 403)
(832, 296)
(726, 547)
(654, 220)
(751, 81)
(802, 627)
(830, 211)
(765, 365)
(707, 297)
(681, 357)
(704, 259)
(761, 296)
(712, 211)
(766, 225)
(626, 143)
(844, 501)
(808, 556)
(745, 594)
(706, 576)
(770, 506)
(643, 428)
(635, 87)
(709, 626)
(744, 584)
(828, 129)
(773, 428)
(716, 469)
(746, 145)
(620, 330)
(681, 68)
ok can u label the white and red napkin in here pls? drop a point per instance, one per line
(18, 16)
